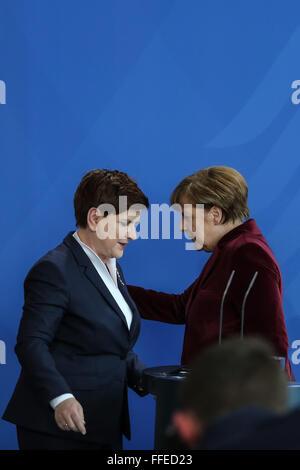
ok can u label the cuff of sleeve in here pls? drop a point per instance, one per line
(140, 387)
(56, 401)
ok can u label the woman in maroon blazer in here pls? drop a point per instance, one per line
(209, 311)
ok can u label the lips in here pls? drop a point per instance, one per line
(123, 245)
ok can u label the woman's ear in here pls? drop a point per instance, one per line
(93, 217)
(216, 215)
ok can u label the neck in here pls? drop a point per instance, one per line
(88, 238)
(230, 226)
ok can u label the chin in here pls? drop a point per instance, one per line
(118, 254)
(198, 247)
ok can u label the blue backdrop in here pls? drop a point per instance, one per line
(158, 89)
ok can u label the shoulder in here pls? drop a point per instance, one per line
(53, 264)
(255, 253)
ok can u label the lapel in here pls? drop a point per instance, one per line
(209, 265)
(93, 276)
(135, 324)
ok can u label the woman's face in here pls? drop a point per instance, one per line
(199, 225)
(115, 231)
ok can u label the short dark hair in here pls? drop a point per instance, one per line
(219, 186)
(105, 187)
(233, 375)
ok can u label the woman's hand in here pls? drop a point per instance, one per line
(69, 416)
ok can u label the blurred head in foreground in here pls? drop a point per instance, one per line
(226, 378)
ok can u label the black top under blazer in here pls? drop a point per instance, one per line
(73, 338)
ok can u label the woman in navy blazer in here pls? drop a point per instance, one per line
(78, 328)
(239, 251)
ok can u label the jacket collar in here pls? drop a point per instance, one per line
(91, 273)
(248, 227)
(80, 256)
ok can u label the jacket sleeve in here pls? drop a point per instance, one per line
(159, 306)
(135, 369)
(46, 300)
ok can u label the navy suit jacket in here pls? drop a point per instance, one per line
(73, 338)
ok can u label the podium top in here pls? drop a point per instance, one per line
(158, 378)
(167, 372)
(167, 375)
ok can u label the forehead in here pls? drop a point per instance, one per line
(186, 206)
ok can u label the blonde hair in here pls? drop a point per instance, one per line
(219, 186)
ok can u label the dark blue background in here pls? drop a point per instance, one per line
(158, 89)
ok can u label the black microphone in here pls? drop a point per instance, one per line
(222, 305)
(244, 303)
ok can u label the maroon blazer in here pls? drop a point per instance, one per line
(245, 250)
